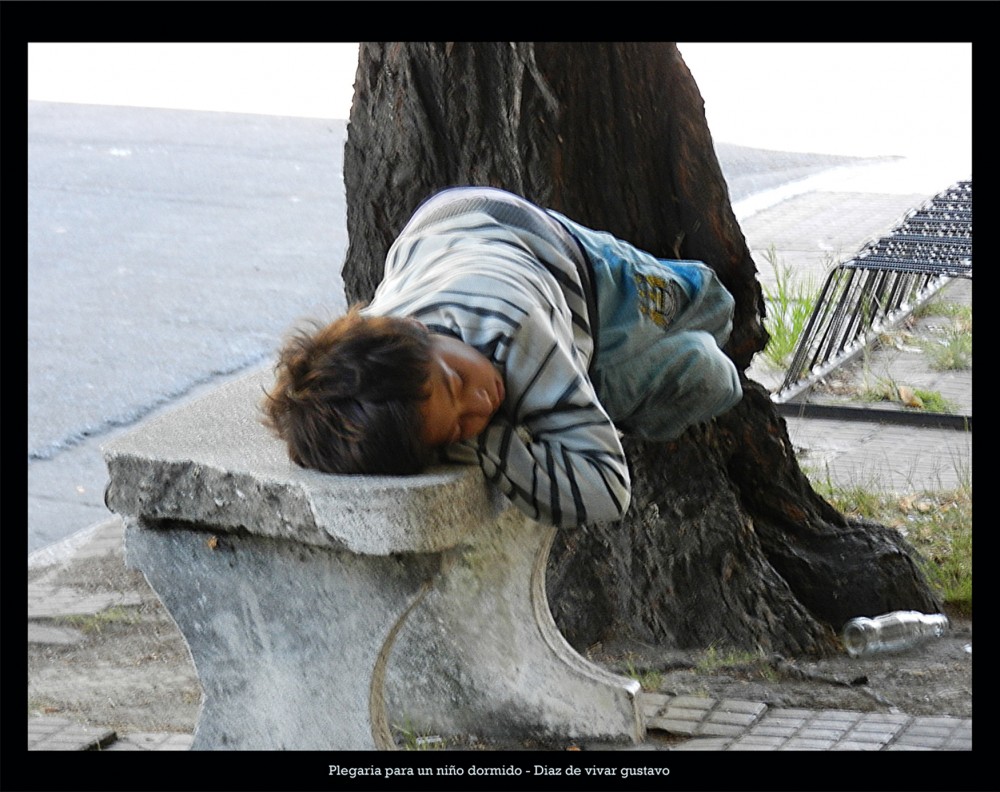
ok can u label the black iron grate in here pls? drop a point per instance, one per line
(882, 284)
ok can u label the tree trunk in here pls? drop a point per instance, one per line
(725, 543)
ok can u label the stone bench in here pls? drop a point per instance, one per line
(324, 611)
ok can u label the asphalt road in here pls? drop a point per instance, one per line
(169, 251)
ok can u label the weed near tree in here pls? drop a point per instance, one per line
(951, 347)
(937, 524)
(790, 303)
(886, 389)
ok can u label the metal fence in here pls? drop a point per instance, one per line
(882, 285)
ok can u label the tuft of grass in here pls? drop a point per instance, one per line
(97, 621)
(937, 524)
(410, 740)
(790, 303)
(886, 389)
(880, 389)
(854, 501)
(715, 659)
(648, 680)
(949, 310)
(754, 663)
(952, 351)
(934, 402)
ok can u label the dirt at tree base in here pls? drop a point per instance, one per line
(933, 679)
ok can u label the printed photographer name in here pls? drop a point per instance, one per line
(505, 770)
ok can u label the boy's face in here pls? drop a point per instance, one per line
(465, 390)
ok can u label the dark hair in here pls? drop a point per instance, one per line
(347, 395)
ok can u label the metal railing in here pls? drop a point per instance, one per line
(882, 285)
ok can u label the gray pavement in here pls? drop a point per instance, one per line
(167, 252)
(809, 225)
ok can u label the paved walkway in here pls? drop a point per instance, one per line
(805, 230)
(733, 725)
(709, 725)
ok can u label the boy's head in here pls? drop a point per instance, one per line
(347, 396)
(376, 394)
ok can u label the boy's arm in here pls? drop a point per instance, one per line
(552, 449)
(562, 478)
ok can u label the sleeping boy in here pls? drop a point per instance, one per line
(509, 336)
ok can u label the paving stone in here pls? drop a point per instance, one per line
(678, 717)
(105, 539)
(802, 744)
(832, 727)
(601, 746)
(720, 729)
(757, 742)
(146, 741)
(681, 713)
(60, 734)
(44, 727)
(754, 708)
(836, 717)
(673, 726)
(785, 721)
(887, 730)
(869, 736)
(814, 733)
(944, 724)
(925, 730)
(921, 740)
(792, 713)
(952, 734)
(698, 703)
(741, 719)
(704, 744)
(654, 704)
(696, 715)
(960, 742)
(891, 718)
(49, 634)
(852, 745)
(768, 729)
(50, 602)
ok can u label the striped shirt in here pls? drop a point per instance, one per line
(503, 276)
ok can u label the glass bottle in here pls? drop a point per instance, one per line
(891, 632)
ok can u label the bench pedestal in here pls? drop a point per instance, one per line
(322, 612)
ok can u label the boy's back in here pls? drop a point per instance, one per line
(504, 277)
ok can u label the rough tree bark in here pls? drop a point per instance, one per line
(726, 543)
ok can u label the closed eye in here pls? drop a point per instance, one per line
(455, 383)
